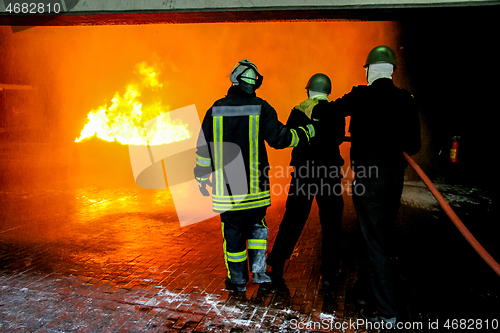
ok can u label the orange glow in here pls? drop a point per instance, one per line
(143, 70)
(123, 120)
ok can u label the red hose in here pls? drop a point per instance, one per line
(454, 218)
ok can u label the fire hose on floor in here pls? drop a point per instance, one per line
(451, 214)
(454, 218)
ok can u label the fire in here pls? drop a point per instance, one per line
(124, 120)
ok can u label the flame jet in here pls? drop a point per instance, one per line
(123, 120)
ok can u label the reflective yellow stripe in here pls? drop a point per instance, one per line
(240, 197)
(203, 161)
(305, 131)
(257, 120)
(312, 131)
(216, 156)
(224, 248)
(203, 164)
(219, 179)
(257, 244)
(237, 256)
(203, 158)
(295, 138)
(221, 161)
(202, 178)
(253, 138)
(241, 206)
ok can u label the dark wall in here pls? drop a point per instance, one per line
(453, 70)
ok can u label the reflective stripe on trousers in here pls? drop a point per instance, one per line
(238, 229)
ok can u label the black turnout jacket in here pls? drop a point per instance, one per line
(384, 124)
(231, 144)
(323, 150)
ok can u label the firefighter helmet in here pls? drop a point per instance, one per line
(247, 72)
(319, 82)
(381, 54)
(249, 76)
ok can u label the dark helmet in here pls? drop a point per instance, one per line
(381, 54)
(319, 82)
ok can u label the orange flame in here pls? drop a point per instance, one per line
(123, 121)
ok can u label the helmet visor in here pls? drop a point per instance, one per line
(249, 76)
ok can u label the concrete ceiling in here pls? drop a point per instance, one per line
(101, 12)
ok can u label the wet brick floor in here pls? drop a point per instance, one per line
(115, 259)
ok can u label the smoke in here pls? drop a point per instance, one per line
(77, 69)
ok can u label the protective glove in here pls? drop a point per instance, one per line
(307, 106)
(202, 183)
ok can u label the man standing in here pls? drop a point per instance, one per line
(233, 129)
(384, 124)
(317, 173)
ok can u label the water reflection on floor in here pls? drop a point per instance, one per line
(103, 238)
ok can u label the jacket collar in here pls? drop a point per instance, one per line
(382, 82)
(235, 90)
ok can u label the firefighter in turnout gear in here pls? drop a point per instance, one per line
(384, 124)
(231, 148)
(317, 174)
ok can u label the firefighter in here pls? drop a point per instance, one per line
(384, 124)
(317, 174)
(237, 125)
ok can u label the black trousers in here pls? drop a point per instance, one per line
(376, 199)
(328, 194)
(238, 228)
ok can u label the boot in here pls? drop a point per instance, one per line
(261, 278)
(240, 288)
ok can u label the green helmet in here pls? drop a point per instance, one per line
(319, 82)
(381, 54)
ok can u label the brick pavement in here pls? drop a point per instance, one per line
(93, 259)
(114, 259)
